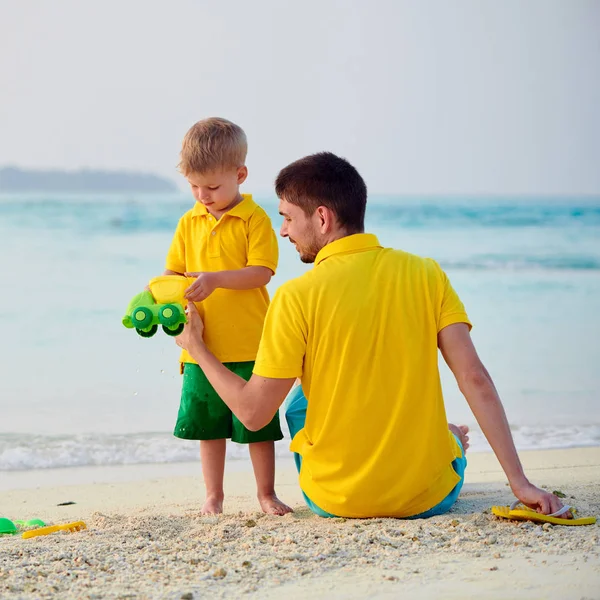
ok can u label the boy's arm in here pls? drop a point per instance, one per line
(478, 388)
(247, 278)
(263, 254)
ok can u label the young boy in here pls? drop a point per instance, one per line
(228, 244)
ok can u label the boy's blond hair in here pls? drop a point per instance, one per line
(212, 144)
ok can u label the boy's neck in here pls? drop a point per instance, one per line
(218, 214)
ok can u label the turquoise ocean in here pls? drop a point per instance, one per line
(78, 389)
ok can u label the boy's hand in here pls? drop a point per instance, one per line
(190, 338)
(203, 287)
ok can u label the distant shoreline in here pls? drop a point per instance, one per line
(15, 179)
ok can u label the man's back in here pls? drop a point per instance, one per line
(360, 330)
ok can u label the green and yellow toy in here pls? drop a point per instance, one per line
(8, 527)
(163, 305)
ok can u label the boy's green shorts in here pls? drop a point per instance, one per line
(204, 416)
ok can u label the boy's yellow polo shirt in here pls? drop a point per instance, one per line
(242, 237)
(360, 330)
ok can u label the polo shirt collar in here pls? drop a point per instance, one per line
(357, 242)
(243, 210)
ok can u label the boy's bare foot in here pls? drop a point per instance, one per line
(272, 505)
(460, 431)
(213, 505)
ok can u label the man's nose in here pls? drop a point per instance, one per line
(283, 230)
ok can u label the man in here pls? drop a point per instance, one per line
(362, 330)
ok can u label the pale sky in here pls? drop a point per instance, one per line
(423, 97)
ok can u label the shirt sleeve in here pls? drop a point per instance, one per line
(263, 250)
(283, 343)
(451, 309)
(176, 255)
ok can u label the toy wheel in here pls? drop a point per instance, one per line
(174, 330)
(169, 315)
(148, 332)
(141, 317)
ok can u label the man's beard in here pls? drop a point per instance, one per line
(308, 254)
(308, 258)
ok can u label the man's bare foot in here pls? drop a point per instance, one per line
(461, 432)
(272, 505)
(213, 505)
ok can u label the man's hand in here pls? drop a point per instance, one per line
(539, 500)
(190, 338)
(203, 287)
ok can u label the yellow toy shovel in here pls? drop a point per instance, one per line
(75, 526)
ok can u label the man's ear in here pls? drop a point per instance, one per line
(242, 174)
(326, 219)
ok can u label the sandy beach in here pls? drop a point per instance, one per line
(146, 539)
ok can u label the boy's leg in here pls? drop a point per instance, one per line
(262, 455)
(204, 416)
(212, 454)
(261, 445)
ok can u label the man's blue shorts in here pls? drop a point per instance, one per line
(295, 414)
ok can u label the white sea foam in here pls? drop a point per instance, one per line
(26, 452)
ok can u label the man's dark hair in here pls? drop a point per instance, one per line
(325, 179)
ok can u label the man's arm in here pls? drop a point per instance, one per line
(247, 278)
(254, 402)
(478, 388)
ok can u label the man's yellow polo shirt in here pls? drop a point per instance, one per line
(242, 237)
(360, 330)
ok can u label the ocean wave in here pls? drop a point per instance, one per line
(23, 452)
(550, 236)
(127, 215)
(444, 215)
(510, 262)
(27, 452)
(535, 437)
